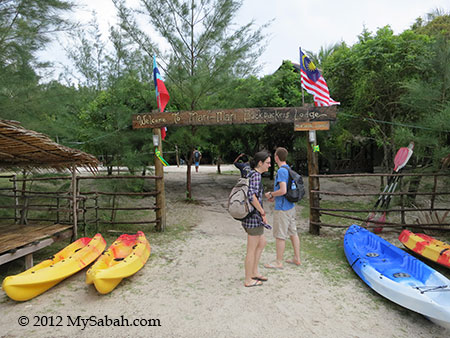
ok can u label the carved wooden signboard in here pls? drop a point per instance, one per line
(235, 116)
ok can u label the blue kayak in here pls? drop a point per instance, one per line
(397, 275)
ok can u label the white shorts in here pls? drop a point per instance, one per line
(284, 223)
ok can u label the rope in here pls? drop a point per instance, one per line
(158, 155)
(432, 288)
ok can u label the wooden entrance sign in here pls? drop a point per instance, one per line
(235, 116)
(304, 118)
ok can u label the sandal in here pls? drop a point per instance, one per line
(255, 283)
(261, 278)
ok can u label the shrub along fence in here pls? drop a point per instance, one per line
(433, 217)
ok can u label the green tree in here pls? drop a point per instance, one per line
(25, 28)
(369, 76)
(205, 51)
(106, 130)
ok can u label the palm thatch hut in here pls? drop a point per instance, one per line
(21, 148)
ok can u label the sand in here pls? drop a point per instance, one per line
(194, 288)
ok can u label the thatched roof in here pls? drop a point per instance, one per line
(23, 148)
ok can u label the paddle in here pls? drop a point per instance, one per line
(401, 159)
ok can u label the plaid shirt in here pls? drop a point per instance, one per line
(255, 188)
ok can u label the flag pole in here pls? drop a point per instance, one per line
(160, 198)
(301, 79)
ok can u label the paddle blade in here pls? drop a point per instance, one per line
(403, 156)
(380, 221)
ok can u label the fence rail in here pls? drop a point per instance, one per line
(316, 211)
(62, 209)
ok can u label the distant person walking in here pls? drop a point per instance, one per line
(255, 223)
(284, 220)
(241, 162)
(197, 155)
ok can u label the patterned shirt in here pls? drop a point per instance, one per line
(255, 188)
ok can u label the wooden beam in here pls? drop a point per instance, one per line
(29, 249)
(235, 116)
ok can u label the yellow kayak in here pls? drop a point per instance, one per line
(427, 246)
(43, 276)
(126, 256)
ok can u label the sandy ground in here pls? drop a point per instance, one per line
(194, 288)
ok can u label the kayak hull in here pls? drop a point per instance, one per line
(48, 273)
(426, 246)
(398, 276)
(126, 256)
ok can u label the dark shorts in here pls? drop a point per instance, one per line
(258, 231)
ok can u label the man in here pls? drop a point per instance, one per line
(197, 157)
(284, 223)
(244, 166)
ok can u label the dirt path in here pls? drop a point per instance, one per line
(194, 287)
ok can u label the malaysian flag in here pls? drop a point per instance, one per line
(314, 83)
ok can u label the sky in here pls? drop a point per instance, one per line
(295, 23)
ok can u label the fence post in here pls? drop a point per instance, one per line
(74, 203)
(314, 202)
(433, 197)
(96, 212)
(402, 204)
(16, 199)
(57, 209)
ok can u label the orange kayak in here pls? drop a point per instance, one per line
(126, 256)
(48, 273)
(427, 246)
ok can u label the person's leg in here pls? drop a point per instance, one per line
(280, 245)
(259, 249)
(296, 245)
(280, 234)
(293, 235)
(252, 244)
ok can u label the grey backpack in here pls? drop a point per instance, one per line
(239, 205)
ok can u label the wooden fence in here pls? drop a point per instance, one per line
(59, 204)
(316, 211)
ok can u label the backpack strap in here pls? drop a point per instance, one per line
(285, 166)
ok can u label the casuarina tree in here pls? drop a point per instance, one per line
(202, 49)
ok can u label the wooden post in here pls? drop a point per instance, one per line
(28, 261)
(177, 155)
(96, 212)
(402, 204)
(74, 203)
(161, 195)
(433, 197)
(57, 209)
(16, 199)
(313, 169)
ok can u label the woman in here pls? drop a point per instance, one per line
(255, 223)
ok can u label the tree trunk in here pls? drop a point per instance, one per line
(188, 178)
